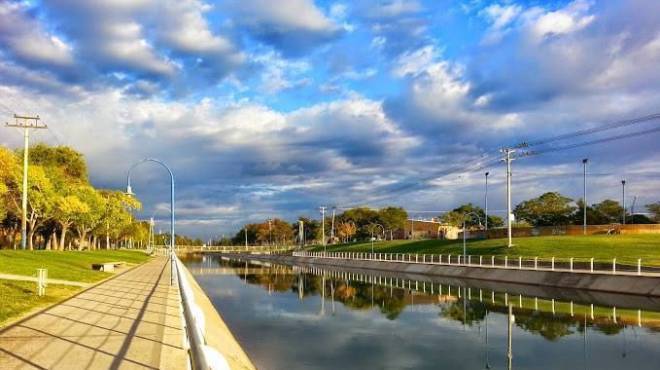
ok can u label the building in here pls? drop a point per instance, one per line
(427, 229)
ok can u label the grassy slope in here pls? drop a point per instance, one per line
(625, 248)
(18, 297)
(74, 266)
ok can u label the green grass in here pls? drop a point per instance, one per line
(19, 297)
(69, 265)
(625, 248)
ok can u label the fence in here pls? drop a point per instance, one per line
(576, 265)
(202, 356)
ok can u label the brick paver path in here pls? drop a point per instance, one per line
(130, 322)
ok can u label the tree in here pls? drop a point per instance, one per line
(88, 221)
(66, 209)
(8, 179)
(455, 217)
(392, 218)
(549, 209)
(346, 230)
(654, 208)
(609, 211)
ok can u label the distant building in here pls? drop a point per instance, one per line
(427, 229)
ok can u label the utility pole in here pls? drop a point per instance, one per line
(323, 227)
(26, 123)
(245, 232)
(301, 233)
(584, 195)
(507, 158)
(623, 200)
(270, 232)
(332, 228)
(486, 201)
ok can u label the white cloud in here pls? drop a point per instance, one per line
(501, 17)
(415, 62)
(29, 41)
(564, 21)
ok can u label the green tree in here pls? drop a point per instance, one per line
(392, 218)
(85, 222)
(455, 217)
(654, 208)
(549, 209)
(609, 211)
(67, 209)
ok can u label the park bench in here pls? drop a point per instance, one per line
(107, 266)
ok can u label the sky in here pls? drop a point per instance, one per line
(271, 109)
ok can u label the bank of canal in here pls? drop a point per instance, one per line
(302, 317)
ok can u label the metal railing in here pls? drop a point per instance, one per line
(202, 356)
(576, 265)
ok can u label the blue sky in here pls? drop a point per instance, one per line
(270, 109)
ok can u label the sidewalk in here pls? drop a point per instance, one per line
(129, 322)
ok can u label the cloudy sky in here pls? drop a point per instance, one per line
(267, 110)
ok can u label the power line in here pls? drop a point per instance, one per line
(586, 143)
(610, 126)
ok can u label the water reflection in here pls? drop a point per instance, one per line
(498, 325)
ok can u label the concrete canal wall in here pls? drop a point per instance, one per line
(601, 282)
(217, 334)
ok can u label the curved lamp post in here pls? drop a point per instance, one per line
(465, 218)
(372, 234)
(129, 191)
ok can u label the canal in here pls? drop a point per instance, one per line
(305, 317)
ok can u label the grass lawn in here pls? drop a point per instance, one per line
(18, 297)
(625, 248)
(69, 265)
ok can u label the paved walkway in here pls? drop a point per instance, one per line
(130, 322)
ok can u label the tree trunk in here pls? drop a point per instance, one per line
(63, 236)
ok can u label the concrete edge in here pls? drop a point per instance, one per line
(619, 284)
(217, 333)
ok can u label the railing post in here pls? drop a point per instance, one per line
(639, 266)
(571, 264)
(553, 264)
(536, 263)
(492, 261)
(506, 262)
(519, 263)
(480, 260)
(449, 259)
(591, 263)
(423, 258)
(613, 265)
(469, 260)
(416, 258)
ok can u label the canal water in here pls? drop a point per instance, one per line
(304, 317)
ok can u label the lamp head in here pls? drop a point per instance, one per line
(623, 182)
(487, 173)
(585, 160)
(129, 190)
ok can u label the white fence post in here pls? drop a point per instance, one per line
(506, 261)
(536, 263)
(480, 260)
(553, 264)
(639, 266)
(614, 266)
(519, 263)
(492, 261)
(591, 264)
(571, 264)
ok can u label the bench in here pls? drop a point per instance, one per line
(107, 266)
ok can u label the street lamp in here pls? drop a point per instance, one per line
(465, 218)
(623, 200)
(374, 225)
(129, 191)
(486, 202)
(584, 195)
